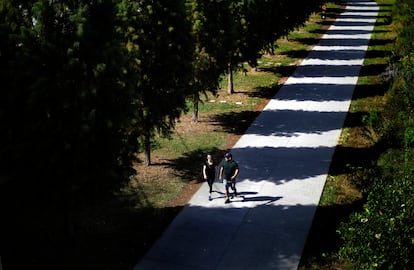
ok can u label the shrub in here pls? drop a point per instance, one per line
(382, 236)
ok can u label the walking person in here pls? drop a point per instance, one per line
(228, 173)
(209, 173)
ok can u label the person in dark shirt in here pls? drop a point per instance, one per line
(228, 173)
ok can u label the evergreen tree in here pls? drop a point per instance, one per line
(209, 59)
(157, 35)
(65, 116)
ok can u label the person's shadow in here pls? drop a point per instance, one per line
(247, 196)
(267, 199)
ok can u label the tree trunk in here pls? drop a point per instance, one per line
(194, 119)
(230, 88)
(147, 146)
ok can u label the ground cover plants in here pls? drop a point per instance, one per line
(364, 220)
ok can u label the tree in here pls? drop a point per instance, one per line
(66, 113)
(209, 58)
(157, 35)
(236, 29)
(254, 24)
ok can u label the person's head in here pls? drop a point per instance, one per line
(209, 157)
(228, 156)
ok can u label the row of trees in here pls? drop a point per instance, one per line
(85, 84)
(381, 236)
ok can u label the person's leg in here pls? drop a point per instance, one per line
(210, 184)
(226, 187)
(233, 187)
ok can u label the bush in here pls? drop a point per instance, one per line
(382, 236)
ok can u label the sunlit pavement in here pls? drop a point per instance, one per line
(284, 159)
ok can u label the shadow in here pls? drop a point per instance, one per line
(324, 71)
(245, 197)
(346, 42)
(326, 23)
(365, 17)
(335, 10)
(284, 71)
(290, 122)
(206, 237)
(236, 122)
(353, 23)
(373, 70)
(279, 165)
(364, 91)
(336, 55)
(346, 159)
(109, 234)
(385, 5)
(265, 92)
(380, 42)
(306, 40)
(384, 23)
(267, 199)
(323, 237)
(321, 31)
(315, 92)
(282, 164)
(354, 119)
(282, 122)
(247, 193)
(376, 54)
(325, 55)
(189, 165)
(295, 54)
(346, 16)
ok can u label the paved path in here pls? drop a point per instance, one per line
(284, 159)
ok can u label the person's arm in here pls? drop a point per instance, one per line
(236, 172)
(205, 171)
(221, 173)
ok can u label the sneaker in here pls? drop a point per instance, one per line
(209, 197)
(235, 193)
(227, 200)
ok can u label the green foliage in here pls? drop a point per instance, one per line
(406, 73)
(157, 37)
(382, 236)
(64, 114)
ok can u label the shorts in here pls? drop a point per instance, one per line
(229, 184)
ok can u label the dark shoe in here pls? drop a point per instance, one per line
(209, 197)
(235, 193)
(227, 200)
